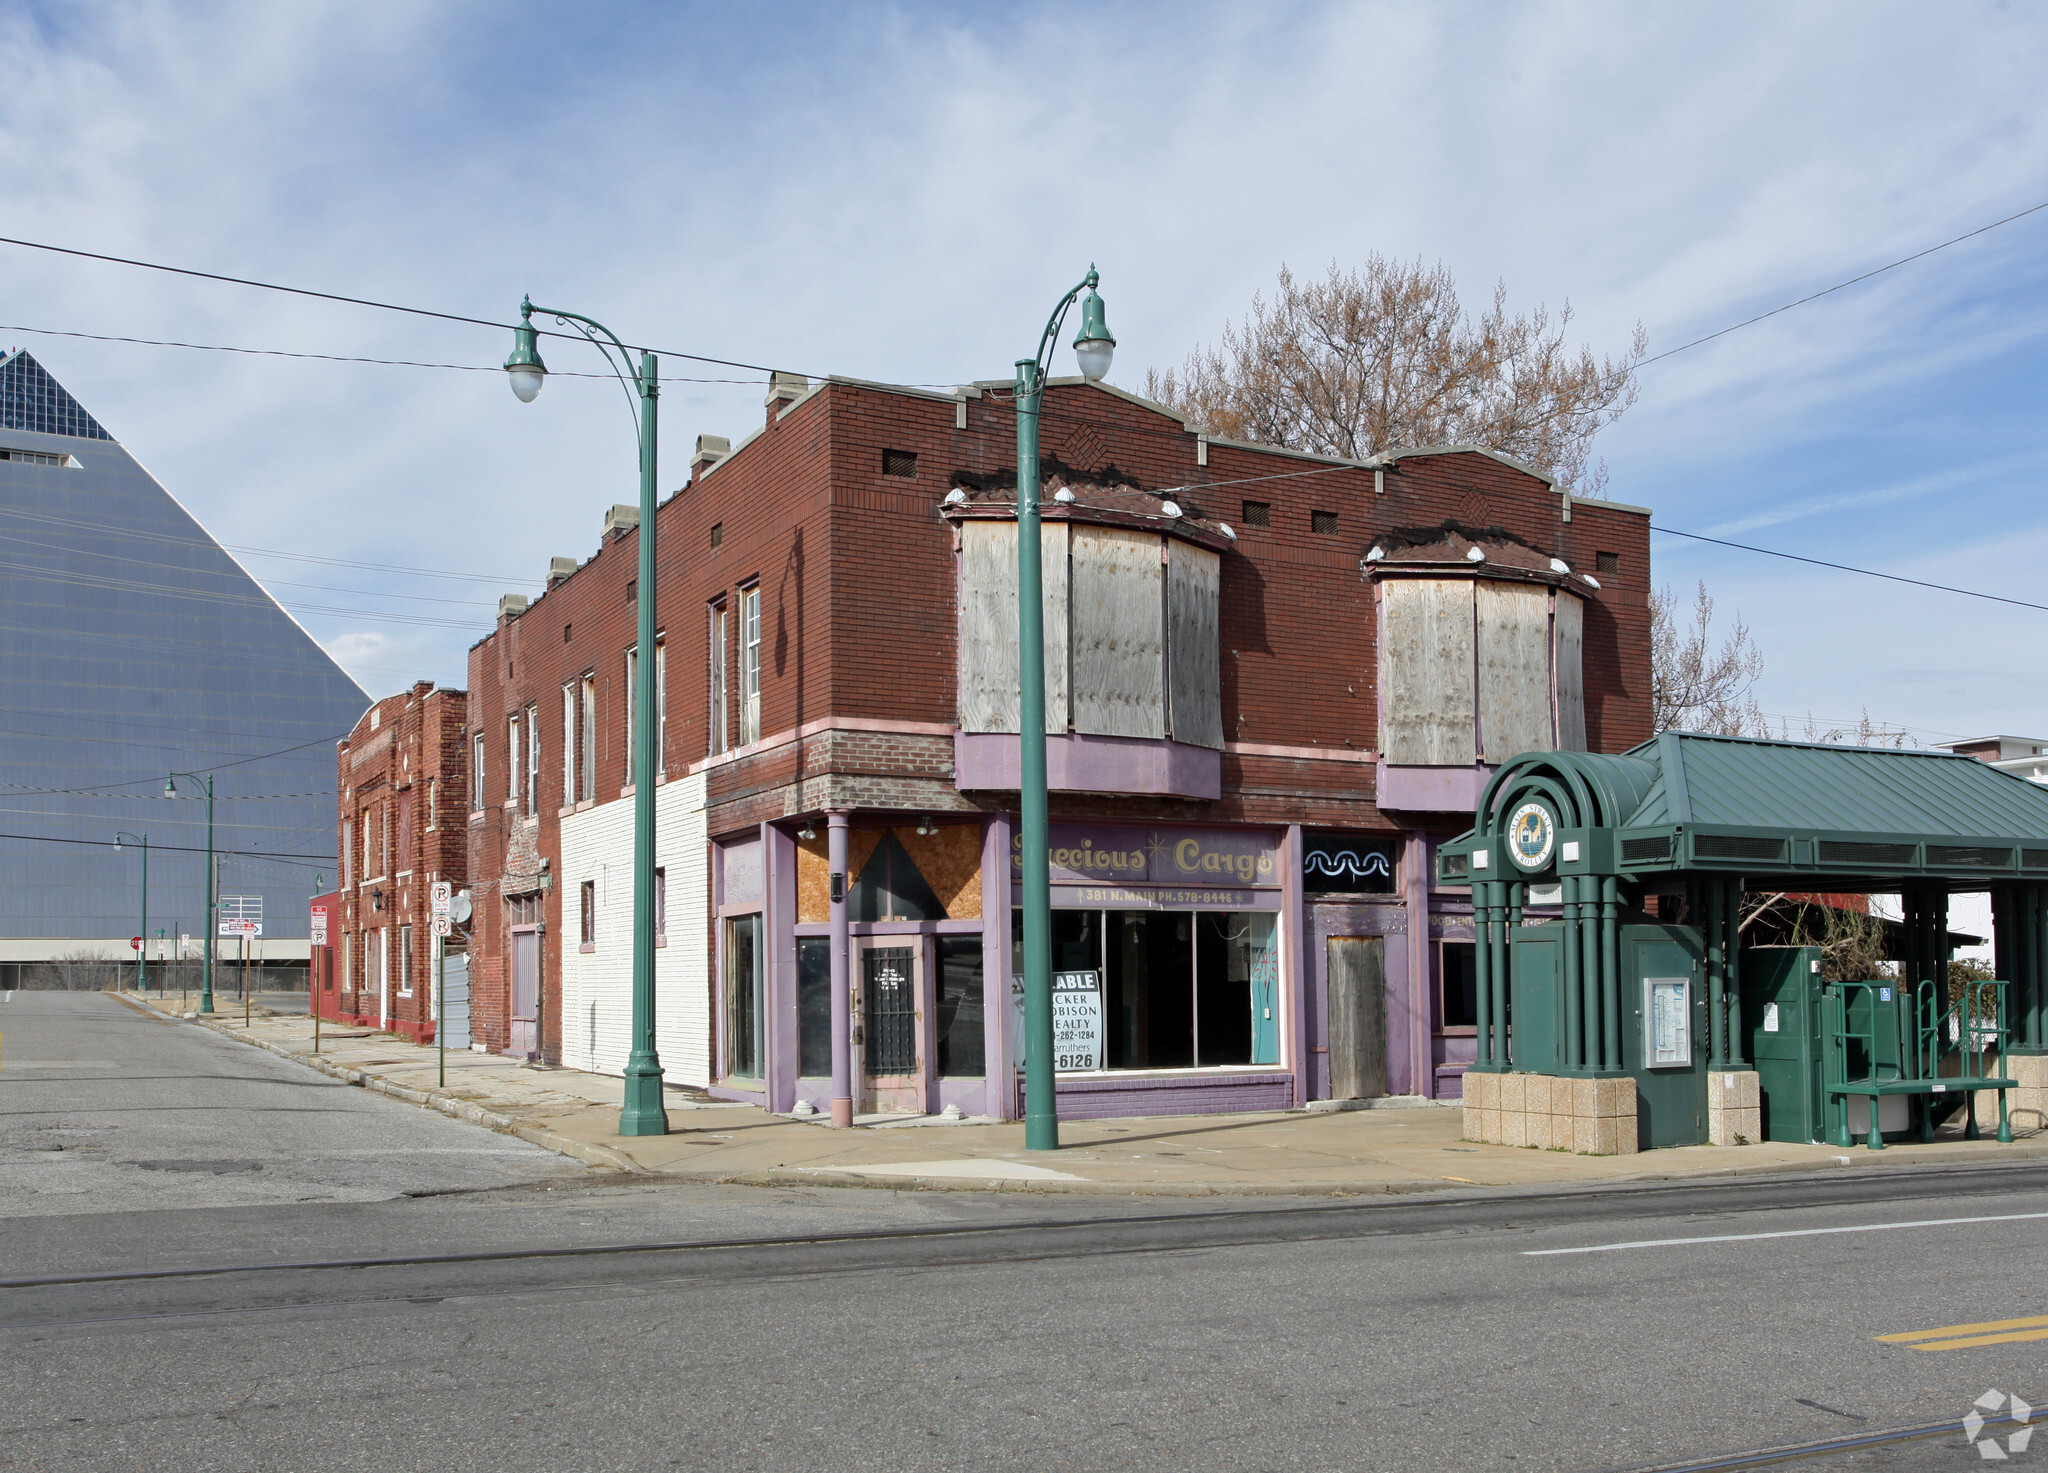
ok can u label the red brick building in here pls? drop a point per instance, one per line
(402, 784)
(1273, 682)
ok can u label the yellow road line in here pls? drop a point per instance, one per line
(1982, 1340)
(1949, 1331)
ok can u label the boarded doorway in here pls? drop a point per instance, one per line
(1356, 977)
(525, 1040)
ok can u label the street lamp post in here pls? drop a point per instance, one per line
(1093, 347)
(643, 1112)
(142, 932)
(212, 901)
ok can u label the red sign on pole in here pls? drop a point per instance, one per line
(135, 943)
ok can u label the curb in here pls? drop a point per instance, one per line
(431, 1099)
(590, 1153)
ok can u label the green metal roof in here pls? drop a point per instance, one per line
(1805, 814)
(1742, 782)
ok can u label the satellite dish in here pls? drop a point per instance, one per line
(459, 908)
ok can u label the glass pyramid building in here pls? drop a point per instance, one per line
(132, 645)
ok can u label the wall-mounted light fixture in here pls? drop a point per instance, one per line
(926, 827)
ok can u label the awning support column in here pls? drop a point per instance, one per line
(1715, 934)
(1731, 967)
(1482, 975)
(1574, 998)
(1610, 973)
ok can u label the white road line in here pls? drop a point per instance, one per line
(1870, 1227)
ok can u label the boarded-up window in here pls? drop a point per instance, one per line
(1570, 618)
(1194, 705)
(1426, 689)
(1514, 669)
(988, 625)
(1119, 638)
(1133, 652)
(1479, 669)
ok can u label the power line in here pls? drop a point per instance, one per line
(169, 848)
(172, 540)
(236, 572)
(1838, 286)
(300, 291)
(102, 337)
(1845, 568)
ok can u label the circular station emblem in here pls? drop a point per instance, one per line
(1532, 834)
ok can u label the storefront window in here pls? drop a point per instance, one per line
(1179, 989)
(814, 1005)
(961, 1036)
(1460, 983)
(743, 996)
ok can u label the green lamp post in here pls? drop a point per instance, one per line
(212, 901)
(643, 1112)
(1093, 347)
(142, 931)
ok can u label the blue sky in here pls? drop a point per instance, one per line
(899, 192)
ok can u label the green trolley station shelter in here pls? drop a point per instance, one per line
(1621, 1008)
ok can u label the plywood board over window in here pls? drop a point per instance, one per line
(989, 682)
(1570, 625)
(1194, 699)
(1514, 669)
(1427, 675)
(1119, 634)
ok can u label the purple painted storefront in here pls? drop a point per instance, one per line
(1203, 954)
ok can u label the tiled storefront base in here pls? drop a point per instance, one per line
(1191, 1094)
(1593, 1117)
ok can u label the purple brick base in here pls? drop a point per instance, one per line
(1194, 1094)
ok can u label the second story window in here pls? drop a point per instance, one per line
(588, 788)
(660, 708)
(632, 714)
(1131, 633)
(476, 771)
(512, 760)
(533, 759)
(750, 666)
(716, 668)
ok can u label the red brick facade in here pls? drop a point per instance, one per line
(857, 574)
(402, 784)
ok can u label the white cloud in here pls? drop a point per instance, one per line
(901, 192)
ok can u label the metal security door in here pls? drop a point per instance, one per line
(889, 1009)
(1356, 978)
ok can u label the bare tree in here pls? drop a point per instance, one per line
(1696, 682)
(1387, 356)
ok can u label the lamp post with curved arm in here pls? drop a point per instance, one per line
(212, 901)
(643, 1112)
(142, 934)
(1093, 347)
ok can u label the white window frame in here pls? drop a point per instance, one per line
(587, 784)
(512, 759)
(569, 744)
(717, 640)
(632, 706)
(750, 665)
(405, 960)
(477, 790)
(660, 707)
(533, 759)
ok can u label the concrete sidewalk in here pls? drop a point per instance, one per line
(1293, 1153)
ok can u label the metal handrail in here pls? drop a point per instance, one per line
(1960, 1028)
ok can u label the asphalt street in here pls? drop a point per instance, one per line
(1620, 1328)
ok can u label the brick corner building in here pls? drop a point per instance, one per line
(1274, 682)
(401, 781)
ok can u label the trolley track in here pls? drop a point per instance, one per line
(79, 1301)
